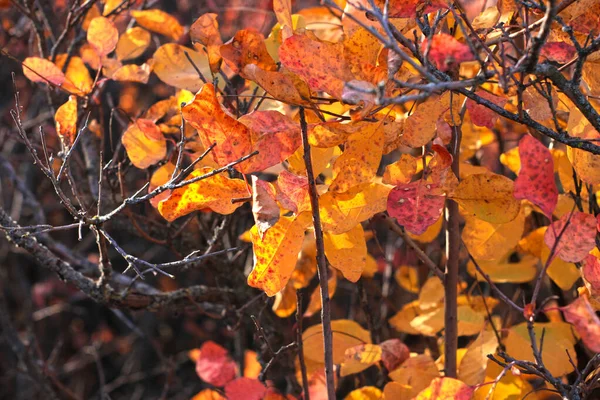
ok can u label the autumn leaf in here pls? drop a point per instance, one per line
(416, 374)
(360, 159)
(346, 334)
(340, 212)
(214, 192)
(446, 389)
(77, 76)
(559, 52)
(173, 67)
(327, 73)
(536, 178)
(275, 253)
(445, 52)
(142, 150)
(245, 388)
(409, 8)
(365, 393)
(577, 239)
(205, 30)
(473, 365)
(400, 171)
(132, 44)
(208, 394)
(247, 47)
(282, 84)
(40, 70)
(264, 207)
(502, 270)
(359, 358)
(347, 252)
(393, 353)
(416, 205)
(66, 121)
(591, 273)
(556, 357)
(420, 126)
(158, 21)
(214, 365)
(292, 192)
(215, 125)
(285, 301)
(132, 73)
(587, 324)
(315, 304)
(102, 35)
(482, 115)
(488, 197)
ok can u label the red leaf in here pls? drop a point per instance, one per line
(578, 238)
(581, 314)
(536, 179)
(292, 192)
(416, 205)
(560, 52)
(394, 353)
(245, 389)
(214, 365)
(446, 52)
(591, 272)
(481, 115)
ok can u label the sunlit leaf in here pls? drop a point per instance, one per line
(359, 358)
(446, 389)
(315, 304)
(247, 47)
(66, 121)
(208, 394)
(245, 388)
(214, 192)
(264, 207)
(416, 205)
(445, 51)
(416, 373)
(132, 73)
(347, 252)
(214, 365)
(581, 314)
(103, 35)
(78, 79)
(400, 171)
(472, 367)
(275, 253)
(407, 278)
(173, 67)
(133, 43)
(578, 236)
(158, 21)
(502, 271)
(482, 115)
(40, 70)
(143, 151)
(346, 334)
(285, 302)
(292, 192)
(205, 30)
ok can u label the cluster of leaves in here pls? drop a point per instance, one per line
(391, 125)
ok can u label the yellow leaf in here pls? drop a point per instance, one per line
(142, 150)
(503, 271)
(103, 35)
(472, 367)
(533, 243)
(416, 373)
(206, 394)
(430, 322)
(360, 159)
(173, 67)
(563, 273)
(420, 126)
(365, 393)
(347, 252)
(276, 252)
(320, 159)
(488, 241)
(446, 389)
(132, 43)
(488, 197)
(432, 293)
(214, 192)
(66, 121)
(340, 212)
(359, 358)
(470, 322)
(558, 345)
(346, 334)
(314, 305)
(509, 387)
(158, 21)
(401, 171)
(401, 320)
(132, 73)
(78, 79)
(407, 278)
(285, 302)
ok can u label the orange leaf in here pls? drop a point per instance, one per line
(446, 389)
(40, 70)
(132, 73)
(281, 84)
(285, 301)
(103, 35)
(214, 192)
(132, 43)
(205, 30)
(327, 72)
(578, 238)
(401, 171)
(78, 79)
(66, 121)
(587, 324)
(158, 21)
(208, 394)
(359, 358)
(142, 150)
(247, 47)
(215, 125)
(173, 67)
(264, 207)
(347, 252)
(292, 192)
(276, 252)
(214, 365)
(420, 126)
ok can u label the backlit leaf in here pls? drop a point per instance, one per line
(445, 51)
(472, 367)
(536, 178)
(555, 356)
(578, 237)
(587, 324)
(591, 273)
(503, 271)
(143, 151)
(401, 171)
(133, 43)
(78, 79)
(247, 47)
(416, 205)
(359, 358)
(292, 192)
(214, 192)
(158, 21)
(347, 252)
(245, 388)
(315, 304)
(420, 126)
(346, 334)
(482, 115)
(416, 373)
(103, 35)
(285, 302)
(40, 70)
(132, 73)
(264, 207)
(66, 121)
(279, 84)
(214, 365)
(446, 389)
(563, 273)
(205, 30)
(275, 253)
(173, 67)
